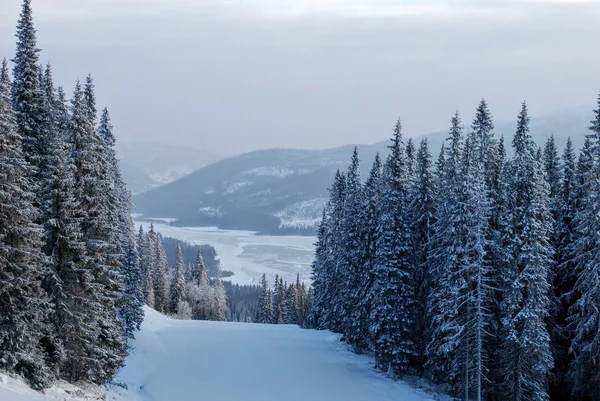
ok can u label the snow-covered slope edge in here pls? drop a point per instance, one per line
(15, 389)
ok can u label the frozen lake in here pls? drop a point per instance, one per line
(249, 255)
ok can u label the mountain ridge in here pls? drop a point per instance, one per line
(283, 191)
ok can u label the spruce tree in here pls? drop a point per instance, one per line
(161, 279)
(103, 343)
(177, 291)
(328, 283)
(132, 311)
(422, 219)
(265, 307)
(564, 279)
(352, 256)
(584, 314)
(525, 352)
(28, 96)
(219, 298)
(198, 275)
(321, 269)
(368, 220)
(23, 305)
(391, 320)
(143, 254)
(444, 258)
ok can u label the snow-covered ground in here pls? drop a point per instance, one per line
(14, 389)
(249, 255)
(175, 360)
(192, 360)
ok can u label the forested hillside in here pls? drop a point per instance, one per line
(477, 270)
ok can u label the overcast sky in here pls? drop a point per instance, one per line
(236, 75)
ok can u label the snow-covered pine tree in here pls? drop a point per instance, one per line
(422, 218)
(351, 259)
(368, 220)
(198, 275)
(553, 176)
(177, 292)
(143, 252)
(132, 311)
(265, 307)
(444, 256)
(63, 241)
(476, 294)
(161, 278)
(411, 157)
(391, 320)
(279, 307)
(290, 305)
(525, 354)
(23, 306)
(123, 239)
(200, 295)
(103, 349)
(564, 279)
(149, 285)
(28, 96)
(300, 301)
(584, 314)
(219, 298)
(321, 268)
(120, 213)
(328, 284)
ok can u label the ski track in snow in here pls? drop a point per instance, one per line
(237, 250)
(220, 361)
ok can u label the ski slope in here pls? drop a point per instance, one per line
(219, 361)
(176, 360)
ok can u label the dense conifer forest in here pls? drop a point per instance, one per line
(476, 270)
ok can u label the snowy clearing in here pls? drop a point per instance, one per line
(190, 360)
(249, 255)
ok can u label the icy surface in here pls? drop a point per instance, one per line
(249, 255)
(195, 360)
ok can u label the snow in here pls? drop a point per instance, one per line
(247, 254)
(304, 214)
(192, 360)
(236, 187)
(15, 389)
(210, 211)
(269, 171)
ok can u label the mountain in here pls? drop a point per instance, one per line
(283, 191)
(146, 165)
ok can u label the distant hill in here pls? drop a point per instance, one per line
(283, 191)
(147, 165)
